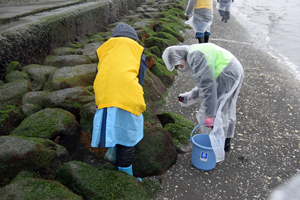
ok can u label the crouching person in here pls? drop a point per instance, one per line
(218, 76)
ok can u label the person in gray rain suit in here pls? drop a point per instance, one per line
(218, 77)
(224, 7)
(202, 18)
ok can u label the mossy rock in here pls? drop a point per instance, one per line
(10, 118)
(13, 66)
(75, 45)
(47, 124)
(91, 183)
(155, 153)
(151, 187)
(167, 36)
(163, 74)
(150, 113)
(24, 174)
(159, 70)
(155, 50)
(29, 109)
(96, 38)
(15, 76)
(167, 117)
(39, 75)
(87, 114)
(177, 12)
(51, 123)
(161, 43)
(31, 188)
(68, 77)
(34, 154)
(171, 31)
(150, 86)
(64, 51)
(66, 60)
(70, 99)
(180, 135)
(90, 89)
(11, 93)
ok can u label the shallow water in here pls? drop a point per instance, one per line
(274, 27)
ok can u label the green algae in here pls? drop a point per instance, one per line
(16, 75)
(10, 117)
(162, 155)
(180, 134)
(43, 157)
(13, 66)
(24, 174)
(46, 124)
(155, 50)
(91, 183)
(168, 117)
(31, 188)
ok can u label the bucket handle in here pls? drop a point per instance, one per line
(195, 129)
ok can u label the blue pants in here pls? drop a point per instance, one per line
(198, 34)
(225, 13)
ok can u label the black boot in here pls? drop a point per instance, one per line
(206, 37)
(201, 39)
(227, 144)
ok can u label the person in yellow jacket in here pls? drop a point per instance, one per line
(118, 122)
(202, 18)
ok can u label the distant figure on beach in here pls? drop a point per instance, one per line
(118, 123)
(218, 77)
(202, 18)
(224, 7)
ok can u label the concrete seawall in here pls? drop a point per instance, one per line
(35, 35)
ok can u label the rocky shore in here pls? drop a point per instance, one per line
(47, 111)
(40, 151)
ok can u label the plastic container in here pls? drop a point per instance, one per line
(203, 156)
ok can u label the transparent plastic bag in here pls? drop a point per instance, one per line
(111, 155)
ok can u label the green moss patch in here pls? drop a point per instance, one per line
(10, 118)
(155, 153)
(167, 117)
(47, 123)
(91, 183)
(31, 188)
(180, 135)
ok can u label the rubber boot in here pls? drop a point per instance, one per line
(206, 37)
(128, 170)
(201, 39)
(223, 18)
(227, 144)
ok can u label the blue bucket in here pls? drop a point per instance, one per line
(203, 156)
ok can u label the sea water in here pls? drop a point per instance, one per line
(274, 27)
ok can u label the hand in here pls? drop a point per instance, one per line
(209, 122)
(182, 99)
